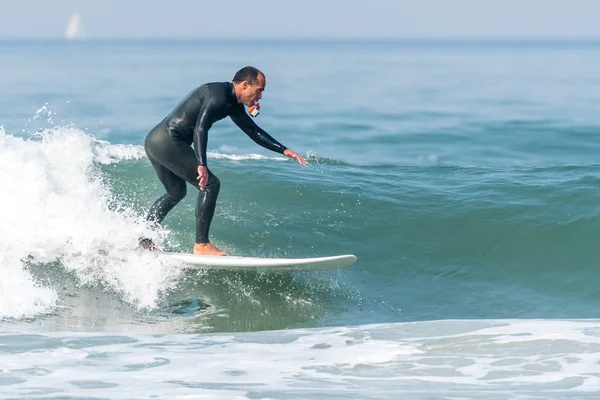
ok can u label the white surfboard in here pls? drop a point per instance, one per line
(263, 264)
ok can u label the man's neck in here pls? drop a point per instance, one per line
(235, 92)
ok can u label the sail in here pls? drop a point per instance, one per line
(74, 27)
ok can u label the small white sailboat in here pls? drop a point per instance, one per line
(75, 29)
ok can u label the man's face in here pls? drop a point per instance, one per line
(253, 93)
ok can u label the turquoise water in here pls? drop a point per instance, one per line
(463, 175)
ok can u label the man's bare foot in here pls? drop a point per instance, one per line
(207, 249)
(147, 244)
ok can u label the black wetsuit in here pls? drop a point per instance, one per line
(168, 147)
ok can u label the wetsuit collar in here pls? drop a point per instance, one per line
(232, 96)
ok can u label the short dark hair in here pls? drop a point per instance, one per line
(249, 74)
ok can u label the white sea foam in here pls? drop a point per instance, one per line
(241, 157)
(518, 359)
(56, 207)
(106, 153)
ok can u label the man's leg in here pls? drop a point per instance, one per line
(160, 143)
(205, 210)
(176, 164)
(176, 191)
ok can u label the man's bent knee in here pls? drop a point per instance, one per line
(176, 197)
(213, 183)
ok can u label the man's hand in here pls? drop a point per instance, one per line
(202, 176)
(292, 154)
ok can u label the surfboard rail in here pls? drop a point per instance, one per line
(263, 263)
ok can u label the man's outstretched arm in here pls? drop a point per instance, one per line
(262, 138)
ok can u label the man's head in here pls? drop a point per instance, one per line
(249, 85)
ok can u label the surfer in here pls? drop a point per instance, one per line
(169, 147)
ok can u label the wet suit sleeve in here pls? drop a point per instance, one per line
(203, 124)
(245, 123)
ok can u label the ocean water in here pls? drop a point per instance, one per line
(465, 177)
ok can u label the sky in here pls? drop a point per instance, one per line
(304, 19)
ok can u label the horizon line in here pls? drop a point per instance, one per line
(441, 39)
